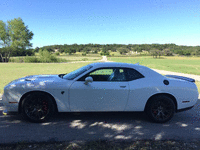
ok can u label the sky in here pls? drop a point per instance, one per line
(107, 21)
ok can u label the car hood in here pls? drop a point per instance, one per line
(35, 78)
(40, 77)
(37, 82)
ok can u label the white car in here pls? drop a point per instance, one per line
(101, 87)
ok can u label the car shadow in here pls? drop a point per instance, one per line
(102, 125)
(101, 116)
(87, 116)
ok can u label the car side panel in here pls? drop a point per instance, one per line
(141, 90)
(58, 89)
(185, 92)
(98, 96)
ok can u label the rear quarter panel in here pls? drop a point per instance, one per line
(183, 91)
(142, 89)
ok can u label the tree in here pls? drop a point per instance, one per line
(167, 52)
(198, 51)
(86, 50)
(46, 56)
(70, 50)
(105, 52)
(14, 36)
(137, 48)
(156, 52)
(5, 41)
(123, 50)
(36, 49)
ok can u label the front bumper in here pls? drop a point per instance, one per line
(9, 107)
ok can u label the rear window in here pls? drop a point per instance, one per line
(132, 74)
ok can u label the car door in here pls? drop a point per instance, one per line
(108, 91)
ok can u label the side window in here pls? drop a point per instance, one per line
(101, 74)
(132, 74)
(117, 75)
(106, 74)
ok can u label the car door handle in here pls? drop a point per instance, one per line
(122, 86)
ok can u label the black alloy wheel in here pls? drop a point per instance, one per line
(160, 109)
(37, 107)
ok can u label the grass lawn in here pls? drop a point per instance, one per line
(198, 86)
(11, 71)
(190, 65)
(80, 58)
(68, 58)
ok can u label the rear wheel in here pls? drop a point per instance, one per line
(160, 109)
(37, 107)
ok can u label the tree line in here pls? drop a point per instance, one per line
(105, 49)
(15, 41)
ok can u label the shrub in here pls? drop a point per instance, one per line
(84, 53)
(31, 59)
(84, 59)
(17, 59)
(57, 53)
(105, 54)
(46, 57)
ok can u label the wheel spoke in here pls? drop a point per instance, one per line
(36, 109)
(161, 110)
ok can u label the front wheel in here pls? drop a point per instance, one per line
(160, 109)
(37, 107)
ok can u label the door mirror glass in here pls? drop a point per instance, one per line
(88, 79)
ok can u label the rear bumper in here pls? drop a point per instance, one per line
(184, 109)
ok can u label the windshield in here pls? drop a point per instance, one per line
(72, 75)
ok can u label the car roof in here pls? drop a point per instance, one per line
(112, 64)
(142, 69)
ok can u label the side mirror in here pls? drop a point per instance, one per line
(88, 79)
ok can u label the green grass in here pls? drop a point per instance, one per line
(80, 58)
(11, 71)
(67, 58)
(198, 86)
(190, 65)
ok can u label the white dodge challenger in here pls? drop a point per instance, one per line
(101, 87)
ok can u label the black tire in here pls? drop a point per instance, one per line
(160, 109)
(37, 107)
